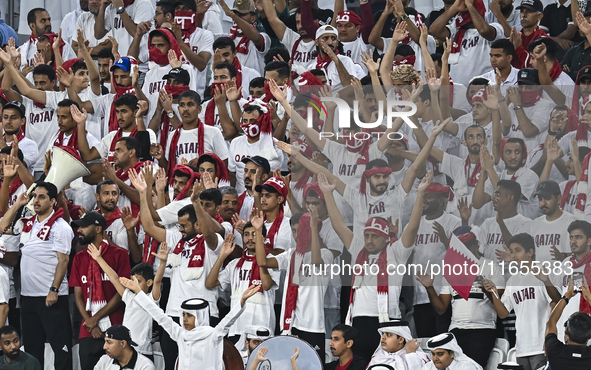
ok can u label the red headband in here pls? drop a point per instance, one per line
(369, 173)
(187, 171)
(441, 189)
(314, 187)
(479, 96)
(221, 170)
(349, 16)
(67, 65)
(305, 149)
(378, 226)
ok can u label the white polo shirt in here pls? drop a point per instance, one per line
(141, 363)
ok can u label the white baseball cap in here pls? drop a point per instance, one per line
(326, 29)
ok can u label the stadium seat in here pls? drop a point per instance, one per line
(495, 358)
(503, 345)
(511, 355)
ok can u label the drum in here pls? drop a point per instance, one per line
(280, 350)
(232, 357)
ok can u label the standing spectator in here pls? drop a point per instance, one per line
(7, 32)
(558, 23)
(531, 14)
(504, 13)
(98, 301)
(120, 353)
(47, 240)
(85, 22)
(579, 55)
(13, 357)
(122, 18)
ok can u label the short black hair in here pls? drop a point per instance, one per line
(318, 73)
(143, 269)
(376, 163)
(8, 150)
(213, 195)
(67, 103)
(437, 58)
(513, 187)
(224, 42)
(249, 225)
(349, 332)
(78, 65)
(474, 126)
(480, 81)
(562, 107)
(251, 108)
(190, 211)
(104, 54)
(167, 7)
(50, 188)
(505, 44)
(7, 329)
(44, 70)
(206, 159)
(525, 240)
(257, 82)
(282, 68)
(516, 140)
(182, 174)
(578, 326)
(193, 95)
(404, 50)
(582, 225)
(295, 219)
(551, 47)
(225, 65)
(105, 182)
(32, 15)
(129, 100)
(279, 51)
(132, 143)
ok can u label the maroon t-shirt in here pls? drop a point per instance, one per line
(115, 257)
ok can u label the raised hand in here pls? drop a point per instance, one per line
(257, 219)
(161, 180)
(400, 32)
(425, 182)
(77, 116)
(464, 209)
(129, 221)
(57, 41)
(425, 279)
(491, 101)
(440, 231)
(327, 50)
(393, 226)
(132, 284)
(424, 34)
(486, 159)
(504, 255)
(138, 182)
(439, 126)
(446, 48)
(94, 252)
(148, 174)
(163, 251)
(584, 26)
(280, 95)
(174, 60)
(156, 151)
(237, 223)
(208, 182)
(295, 355)
(9, 168)
(203, 6)
(232, 91)
(260, 357)
(515, 37)
(370, 64)
(539, 51)
(64, 77)
(114, 47)
(143, 28)
(142, 108)
(249, 293)
(432, 80)
(228, 246)
(313, 217)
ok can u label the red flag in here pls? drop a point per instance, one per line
(457, 255)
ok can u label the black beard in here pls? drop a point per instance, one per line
(85, 239)
(13, 355)
(13, 132)
(556, 134)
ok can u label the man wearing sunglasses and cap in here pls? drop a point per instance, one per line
(120, 352)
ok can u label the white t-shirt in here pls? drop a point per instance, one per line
(565, 142)
(528, 180)
(528, 297)
(353, 50)
(248, 74)
(478, 312)
(4, 287)
(39, 257)
(200, 40)
(94, 124)
(510, 81)
(11, 242)
(240, 148)
(309, 310)
(463, 123)
(566, 85)
(259, 308)
(332, 74)
(538, 114)
(41, 124)
(493, 239)
(86, 23)
(169, 213)
(30, 151)
(188, 146)
(118, 234)
(514, 19)
(474, 58)
(419, 62)
(283, 237)
(105, 146)
(255, 57)
(139, 11)
(366, 292)
(429, 250)
(92, 141)
(216, 117)
(571, 197)
(139, 322)
(181, 289)
(29, 50)
(548, 233)
(303, 54)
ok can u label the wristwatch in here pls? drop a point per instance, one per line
(517, 107)
(404, 17)
(170, 115)
(54, 289)
(565, 299)
(120, 10)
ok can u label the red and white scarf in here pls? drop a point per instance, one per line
(156, 55)
(94, 289)
(114, 216)
(380, 227)
(295, 265)
(361, 147)
(583, 189)
(567, 189)
(584, 306)
(243, 44)
(187, 171)
(306, 151)
(43, 234)
(119, 92)
(255, 277)
(187, 21)
(173, 146)
(196, 260)
(462, 19)
(261, 129)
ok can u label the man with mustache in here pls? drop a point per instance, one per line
(504, 13)
(10, 342)
(550, 230)
(341, 341)
(256, 171)
(97, 299)
(107, 196)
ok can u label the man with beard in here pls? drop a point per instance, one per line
(497, 230)
(197, 247)
(104, 58)
(299, 44)
(86, 23)
(349, 26)
(13, 357)
(514, 155)
(504, 13)
(250, 339)
(47, 242)
(229, 202)
(256, 171)
(243, 272)
(14, 119)
(39, 22)
(549, 230)
(330, 58)
(559, 123)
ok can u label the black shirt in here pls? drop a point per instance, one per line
(357, 363)
(556, 18)
(567, 357)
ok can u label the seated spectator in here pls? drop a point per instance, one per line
(13, 358)
(120, 352)
(531, 14)
(342, 339)
(447, 354)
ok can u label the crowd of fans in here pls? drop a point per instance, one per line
(220, 175)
